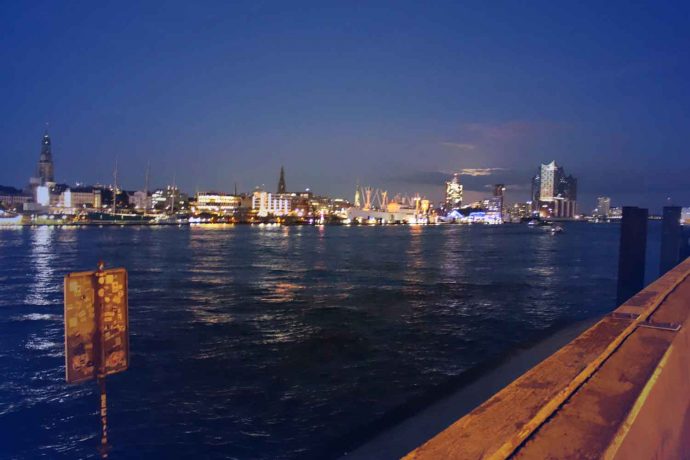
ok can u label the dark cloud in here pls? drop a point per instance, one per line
(518, 180)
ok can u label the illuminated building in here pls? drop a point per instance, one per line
(141, 200)
(603, 207)
(616, 213)
(378, 209)
(549, 180)
(270, 204)
(12, 197)
(685, 216)
(82, 197)
(493, 204)
(43, 195)
(46, 170)
(65, 199)
(553, 193)
(56, 192)
(217, 203)
(453, 193)
(499, 197)
(519, 211)
(169, 199)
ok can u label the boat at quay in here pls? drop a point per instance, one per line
(7, 219)
(116, 218)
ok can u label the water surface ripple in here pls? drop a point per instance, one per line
(277, 342)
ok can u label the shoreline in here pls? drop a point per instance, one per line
(123, 223)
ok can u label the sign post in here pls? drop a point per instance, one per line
(96, 331)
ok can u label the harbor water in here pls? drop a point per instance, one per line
(282, 342)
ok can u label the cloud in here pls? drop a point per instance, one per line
(524, 187)
(476, 179)
(480, 171)
(459, 145)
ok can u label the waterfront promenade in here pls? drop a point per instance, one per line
(620, 390)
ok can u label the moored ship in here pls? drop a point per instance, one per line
(99, 217)
(7, 219)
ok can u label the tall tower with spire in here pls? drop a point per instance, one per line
(281, 181)
(46, 171)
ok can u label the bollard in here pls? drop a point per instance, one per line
(631, 255)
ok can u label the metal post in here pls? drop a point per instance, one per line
(631, 256)
(99, 282)
(670, 239)
(103, 448)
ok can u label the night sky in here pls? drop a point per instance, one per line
(391, 94)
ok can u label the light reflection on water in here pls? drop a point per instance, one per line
(275, 342)
(42, 265)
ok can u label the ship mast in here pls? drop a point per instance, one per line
(172, 195)
(146, 188)
(115, 188)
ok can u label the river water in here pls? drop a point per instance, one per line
(281, 342)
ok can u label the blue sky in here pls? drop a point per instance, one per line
(392, 94)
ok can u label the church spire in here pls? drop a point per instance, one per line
(281, 181)
(45, 162)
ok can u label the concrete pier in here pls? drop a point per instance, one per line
(620, 390)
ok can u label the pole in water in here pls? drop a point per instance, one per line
(94, 349)
(631, 255)
(103, 448)
(100, 356)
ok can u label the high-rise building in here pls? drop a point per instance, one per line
(603, 207)
(549, 174)
(46, 171)
(499, 199)
(454, 193)
(281, 181)
(553, 193)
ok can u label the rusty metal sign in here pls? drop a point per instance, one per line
(96, 324)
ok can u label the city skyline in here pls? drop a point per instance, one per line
(552, 194)
(341, 95)
(453, 196)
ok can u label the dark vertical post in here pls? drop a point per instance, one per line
(104, 418)
(631, 256)
(670, 239)
(100, 356)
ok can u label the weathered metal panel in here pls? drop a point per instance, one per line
(90, 298)
(80, 327)
(113, 295)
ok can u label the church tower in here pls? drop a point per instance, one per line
(281, 181)
(46, 171)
